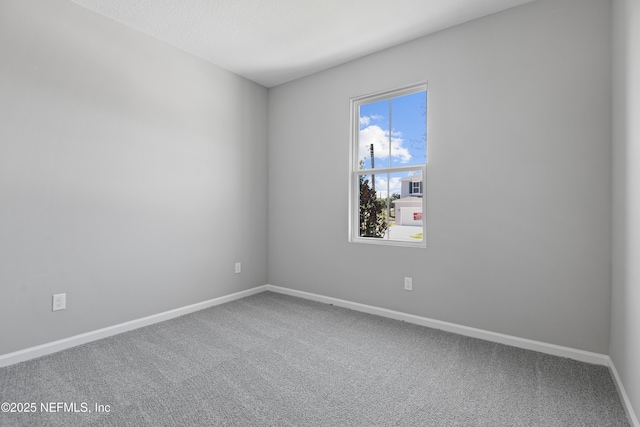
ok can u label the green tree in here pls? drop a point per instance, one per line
(372, 220)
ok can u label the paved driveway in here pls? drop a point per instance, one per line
(404, 232)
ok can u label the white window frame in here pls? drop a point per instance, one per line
(355, 172)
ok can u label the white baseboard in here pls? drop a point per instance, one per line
(555, 350)
(55, 346)
(633, 419)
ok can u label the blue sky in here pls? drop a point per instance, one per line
(405, 124)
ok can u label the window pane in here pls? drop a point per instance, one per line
(405, 206)
(372, 207)
(374, 135)
(409, 129)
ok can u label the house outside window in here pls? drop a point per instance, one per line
(408, 208)
(388, 167)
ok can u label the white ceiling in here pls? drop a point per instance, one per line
(275, 41)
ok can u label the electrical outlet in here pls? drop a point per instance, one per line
(238, 267)
(59, 302)
(408, 284)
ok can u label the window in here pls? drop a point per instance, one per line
(416, 188)
(388, 167)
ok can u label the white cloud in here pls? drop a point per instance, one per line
(379, 137)
(381, 185)
(395, 184)
(366, 120)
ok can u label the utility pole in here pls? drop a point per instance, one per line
(373, 177)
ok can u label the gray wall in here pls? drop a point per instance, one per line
(518, 181)
(120, 160)
(625, 309)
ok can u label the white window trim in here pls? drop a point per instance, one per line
(355, 172)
